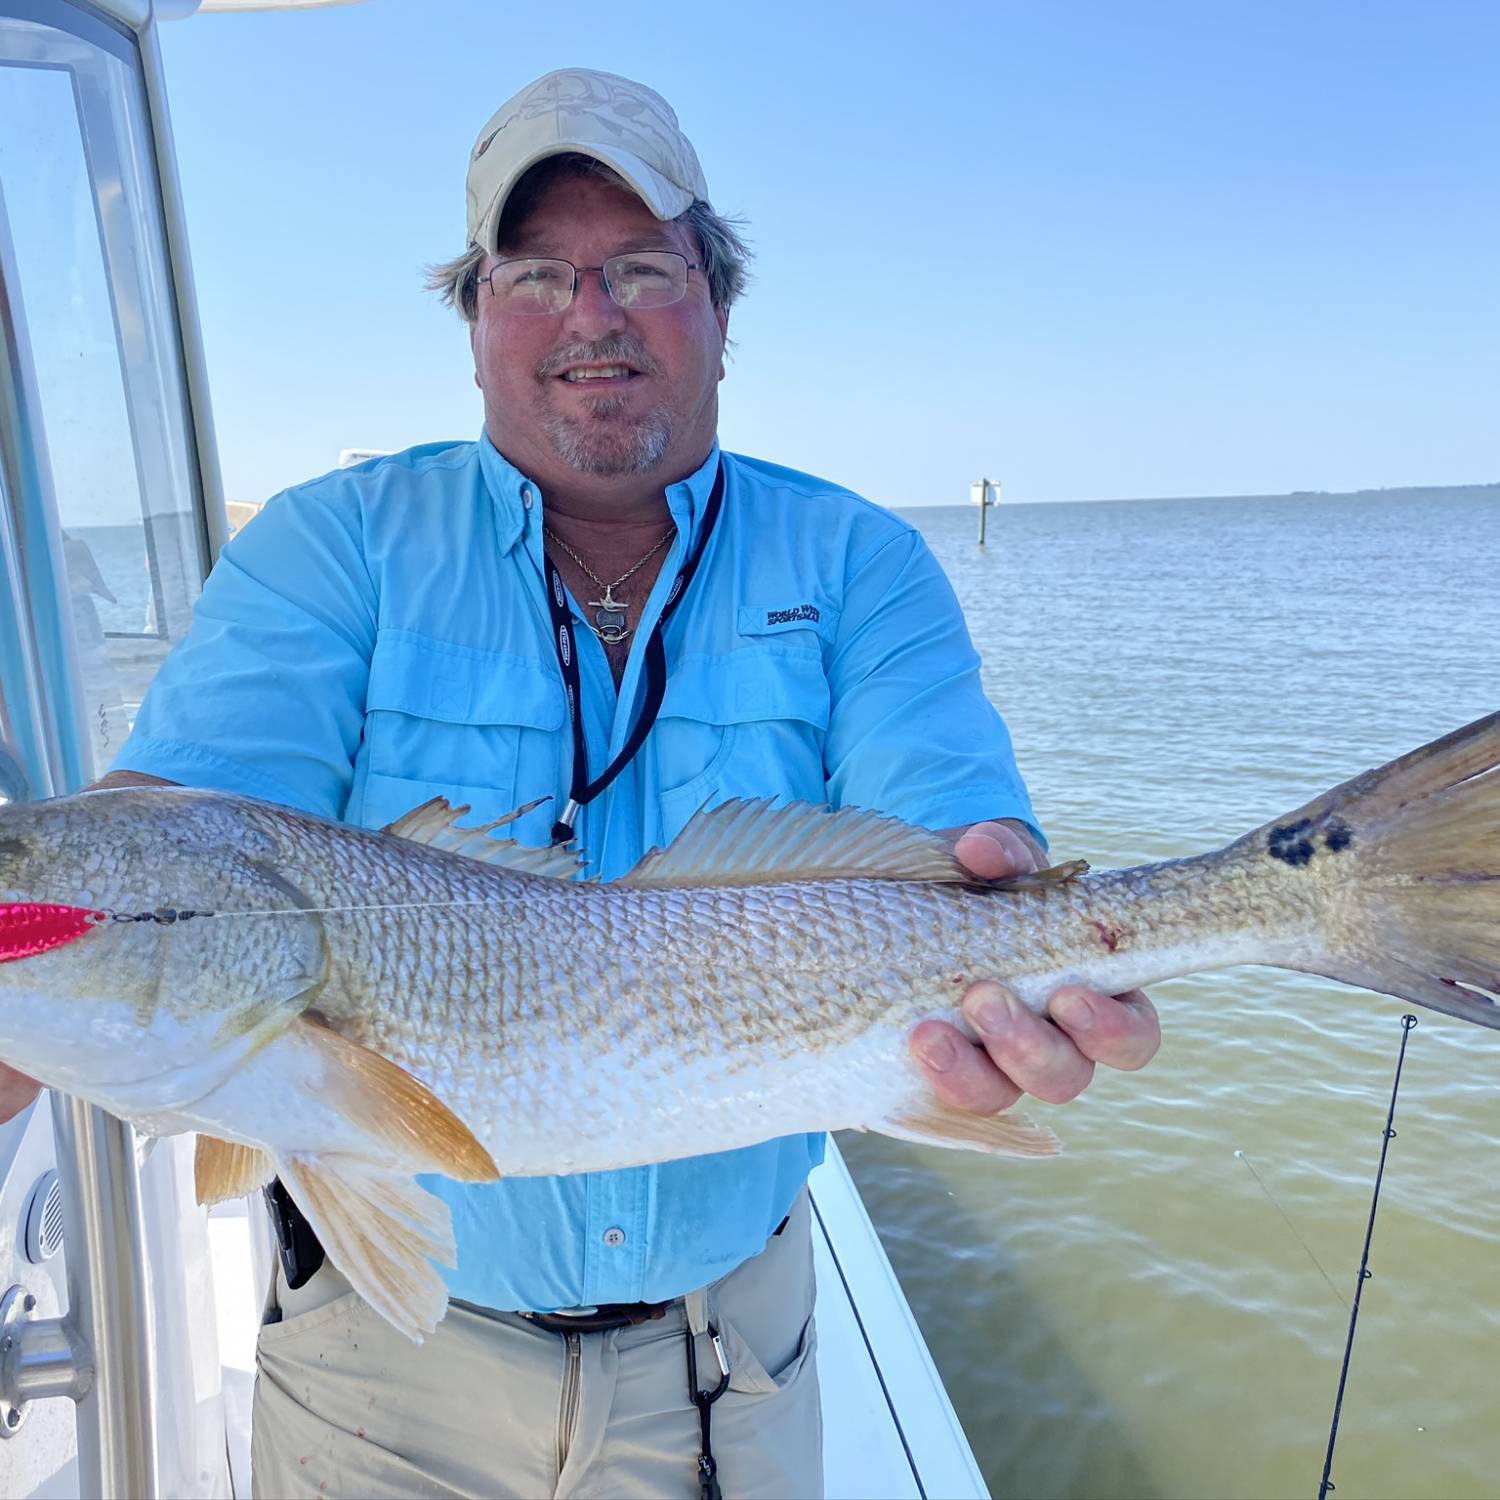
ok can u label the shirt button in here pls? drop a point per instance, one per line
(614, 1237)
(527, 496)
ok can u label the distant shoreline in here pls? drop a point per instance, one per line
(1401, 491)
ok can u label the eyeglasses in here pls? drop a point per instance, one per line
(643, 278)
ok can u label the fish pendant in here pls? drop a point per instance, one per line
(609, 617)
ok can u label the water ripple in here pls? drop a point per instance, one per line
(1135, 1318)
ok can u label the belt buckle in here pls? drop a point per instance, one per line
(602, 1319)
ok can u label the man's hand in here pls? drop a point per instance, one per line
(16, 1092)
(1050, 1057)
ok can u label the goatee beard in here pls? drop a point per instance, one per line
(598, 444)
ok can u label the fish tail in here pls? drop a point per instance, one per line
(1410, 852)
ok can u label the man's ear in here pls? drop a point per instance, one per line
(721, 314)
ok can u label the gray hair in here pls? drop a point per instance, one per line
(725, 256)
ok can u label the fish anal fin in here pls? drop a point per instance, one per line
(392, 1107)
(435, 823)
(381, 1230)
(933, 1123)
(228, 1169)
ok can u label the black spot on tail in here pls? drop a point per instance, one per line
(1288, 842)
(1293, 843)
(1338, 835)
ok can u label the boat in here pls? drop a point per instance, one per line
(128, 1314)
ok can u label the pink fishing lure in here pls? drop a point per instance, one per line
(31, 927)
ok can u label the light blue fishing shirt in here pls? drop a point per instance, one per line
(380, 636)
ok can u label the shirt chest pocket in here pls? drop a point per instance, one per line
(749, 724)
(461, 717)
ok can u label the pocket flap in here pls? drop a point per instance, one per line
(747, 686)
(780, 617)
(432, 679)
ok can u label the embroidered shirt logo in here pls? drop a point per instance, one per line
(808, 612)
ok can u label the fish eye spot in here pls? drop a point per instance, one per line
(1286, 843)
(1338, 835)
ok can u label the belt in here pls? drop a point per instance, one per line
(602, 1319)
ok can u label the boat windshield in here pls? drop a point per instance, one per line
(106, 542)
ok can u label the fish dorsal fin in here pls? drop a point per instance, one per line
(758, 843)
(435, 823)
(1061, 874)
(228, 1169)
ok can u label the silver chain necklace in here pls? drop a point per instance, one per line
(609, 612)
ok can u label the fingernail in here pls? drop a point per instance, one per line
(1073, 1008)
(939, 1053)
(993, 1017)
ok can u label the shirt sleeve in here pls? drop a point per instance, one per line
(911, 732)
(265, 694)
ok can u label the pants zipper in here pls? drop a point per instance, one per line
(567, 1415)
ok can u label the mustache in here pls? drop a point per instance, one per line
(617, 349)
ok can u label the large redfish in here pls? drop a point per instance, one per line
(348, 1009)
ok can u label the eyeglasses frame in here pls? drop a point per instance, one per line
(579, 271)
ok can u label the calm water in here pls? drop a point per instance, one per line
(1136, 1318)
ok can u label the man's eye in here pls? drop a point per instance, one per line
(638, 270)
(538, 276)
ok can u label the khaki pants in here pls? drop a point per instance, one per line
(491, 1405)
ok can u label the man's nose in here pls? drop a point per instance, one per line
(593, 312)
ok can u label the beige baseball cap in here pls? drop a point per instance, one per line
(623, 124)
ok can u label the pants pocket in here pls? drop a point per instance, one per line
(749, 1376)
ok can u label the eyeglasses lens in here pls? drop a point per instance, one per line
(643, 279)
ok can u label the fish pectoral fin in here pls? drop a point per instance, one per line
(381, 1230)
(435, 823)
(395, 1109)
(933, 1123)
(228, 1169)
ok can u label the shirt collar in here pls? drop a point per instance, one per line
(518, 501)
(508, 488)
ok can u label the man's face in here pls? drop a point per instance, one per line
(656, 419)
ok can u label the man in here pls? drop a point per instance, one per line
(594, 593)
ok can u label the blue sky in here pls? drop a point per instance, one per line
(1178, 248)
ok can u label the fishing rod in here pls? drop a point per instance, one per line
(1327, 1484)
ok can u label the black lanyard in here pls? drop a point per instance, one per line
(583, 791)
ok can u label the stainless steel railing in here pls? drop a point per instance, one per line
(99, 1352)
(108, 1300)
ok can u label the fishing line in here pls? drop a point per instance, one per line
(167, 916)
(302, 911)
(1407, 1022)
(1279, 1209)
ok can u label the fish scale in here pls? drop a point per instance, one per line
(362, 1007)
